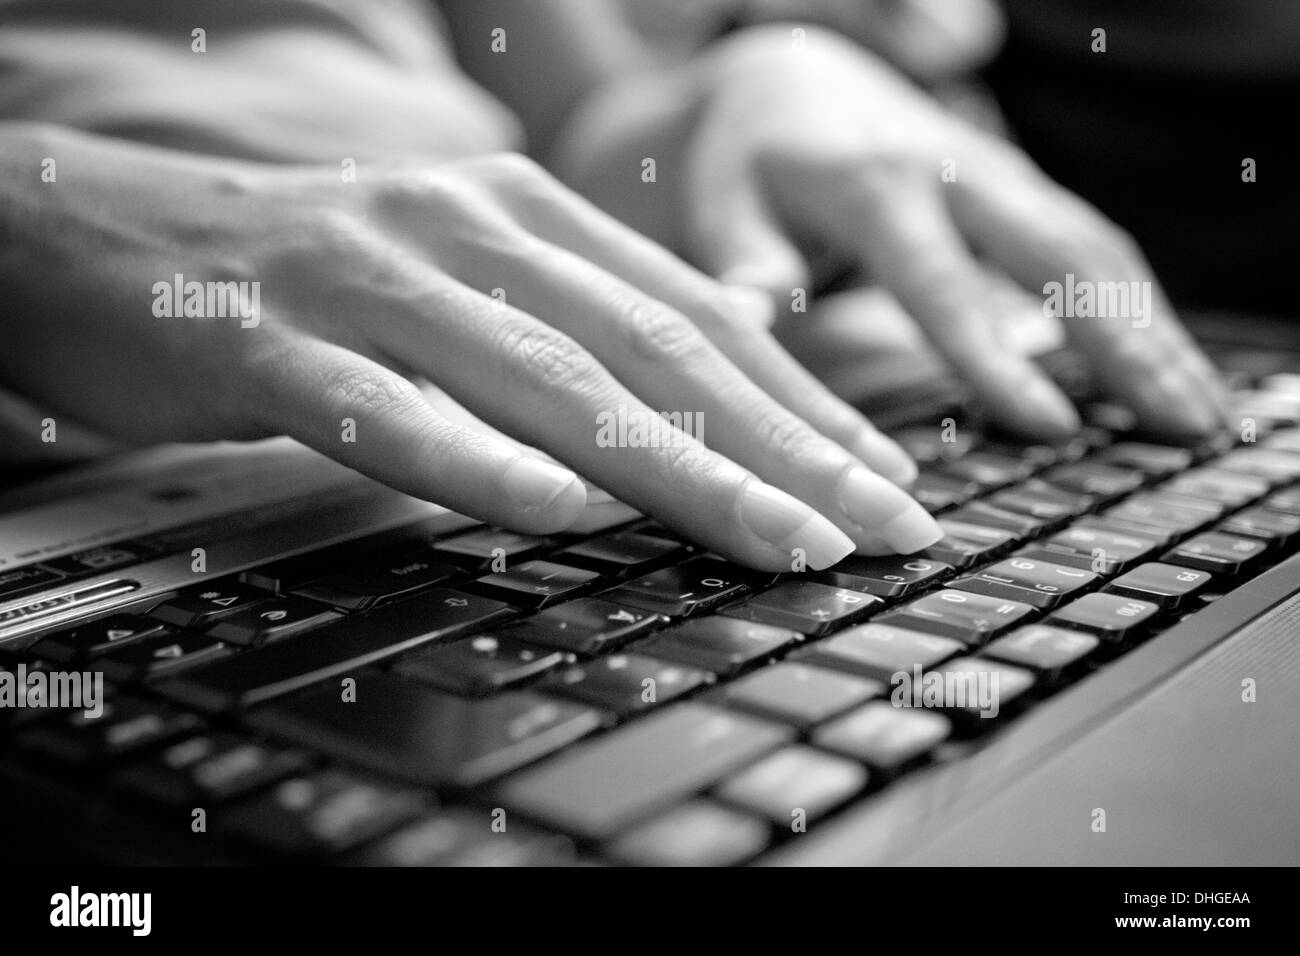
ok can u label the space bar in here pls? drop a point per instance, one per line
(254, 676)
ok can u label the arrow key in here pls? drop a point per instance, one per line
(161, 654)
(86, 641)
(199, 605)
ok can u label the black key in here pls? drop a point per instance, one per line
(535, 584)
(795, 783)
(879, 650)
(1110, 616)
(386, 578)
(985, 515)
(626, 553)
(587, 626)
(126, 726)
(1088, 539)
(22, 580)
(625, 684)
(1175, 514)
(1225, 487)
(1287, 501)
(1097, 564)
(985, 539)
(271, 620)
(480, 665)
(883, 736)
(1037, 583)
(1041, 501)
(208, 769)
(284, 575)
(464, 836)
(246, 679)
(197, 606)
(1048, 650)
(987, 470)
(1218, 553)
(1166, 585)
(481, 547)
(313, 816)
(1160, 537)
(1103, 482)
(937, 493)
(1275, 466)
(402, 728)
(697, 585)
(1154, 461)
(86, 641)
(599, 789)
(981, 689)
(722, 645)
(1275, 527)
(806, 606)
(696, 833)
(891, 576)
(963, 552)
(161, 654)
(970, 618)
(799, 695)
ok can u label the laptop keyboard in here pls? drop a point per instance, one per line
(486, 697)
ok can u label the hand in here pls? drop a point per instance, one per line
(825, 147)
(363, 284)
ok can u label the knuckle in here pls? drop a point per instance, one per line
(656, 333)
(360, 390)
(788, 437)
(545, 358)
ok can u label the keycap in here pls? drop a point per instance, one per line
(158, 655)
(87, 641)
(1174, 514)
(798, 694)
(587, 626)
(1040, 584)
(795, 784)
(246, 679)
(1098, 563)
(1048, 650)
(1218, 553)
(1275, 466)
(697, 585)
(1286, 501)
(1090, 540)
(722, 645)
(988, 471)
(198, 605)
(806, 606)
(480, 547)
(626, 553)
(1166, 585)
(402, 728)
(535, 584)
(625, 684)
(1274, 527)
(937, 493)
(890, 576)
(928, 444)
(974, 689)
(879, 650)
(1041, 501)
(986, 539)
(387, 578)
(698, 832)
(480, 665)
(271, 620)
(285, 574)
(885, 737)
(969, 618)
(1161, 537)
(1226, 487)
(600, 788)
(1102, 482)
(963, 552)
(465, 836)
(1154, 461)
(986, 515)
(1111, 617)
(207, 770)
(312, 816)
(126, 725)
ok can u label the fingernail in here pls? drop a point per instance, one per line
(785, 522)
(534, 484)
(751, 303)
(1045, 402)
(876, 506)
(887, 458)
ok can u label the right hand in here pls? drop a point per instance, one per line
(365, 283)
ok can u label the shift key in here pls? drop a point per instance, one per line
(597, 789)
(247, 679)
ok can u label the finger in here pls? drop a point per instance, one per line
(371, 419)
(912, 248)
(534, 382)
(661, 356)
(585, 230)
(1049, 240)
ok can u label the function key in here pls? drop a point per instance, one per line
(1218, 553)
(1166, 585)
(1111, 617)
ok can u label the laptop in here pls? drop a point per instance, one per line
(1097, 665)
